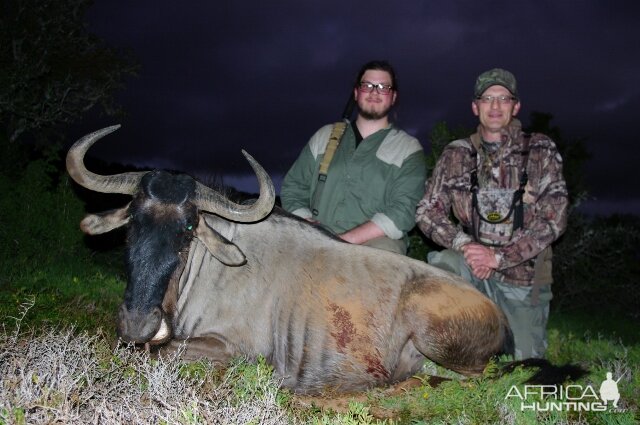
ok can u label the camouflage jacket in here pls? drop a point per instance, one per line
(545, 200)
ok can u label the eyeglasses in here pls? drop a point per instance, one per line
(368, 87)
(502, 100)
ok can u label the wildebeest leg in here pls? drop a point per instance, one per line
(213, 348)
(409, 363)
(455, 326)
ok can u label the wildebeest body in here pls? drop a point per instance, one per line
(329, 314)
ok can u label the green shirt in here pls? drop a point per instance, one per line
(380, 181)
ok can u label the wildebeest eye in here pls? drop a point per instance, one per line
(189, 227)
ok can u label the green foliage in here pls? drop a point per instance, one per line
(358, 414)
(42, 251)
(16, 416)
(596, 266)
(253, 380)
(419, 245)
(53, 70)
(189, 415)
(194, 370)
(37, 213)
(250, 379)
(477, 400)
(573, 151)
(440, 136)
(601, 355)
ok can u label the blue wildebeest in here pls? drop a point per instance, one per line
(249, 279)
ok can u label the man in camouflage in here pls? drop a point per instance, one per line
(509, 198)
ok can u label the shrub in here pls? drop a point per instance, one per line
(39, 215)
(60, 375)
(596, 266)
(42, 252)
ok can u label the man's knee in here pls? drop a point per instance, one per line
(452, 261)
(447, 259)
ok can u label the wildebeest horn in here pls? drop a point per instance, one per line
(126, 183)
(208, 199)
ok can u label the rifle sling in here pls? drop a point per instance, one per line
(334, 141)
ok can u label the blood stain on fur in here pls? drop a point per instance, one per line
(343, 326)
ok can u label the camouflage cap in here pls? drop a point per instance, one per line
(495, 77)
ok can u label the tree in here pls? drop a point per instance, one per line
(52, 70)
(574, 155)
(441, 136)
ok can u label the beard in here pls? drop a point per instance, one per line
(372, 114)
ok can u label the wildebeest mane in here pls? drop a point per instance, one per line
(248, 198)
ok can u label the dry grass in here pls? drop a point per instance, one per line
(63, 376)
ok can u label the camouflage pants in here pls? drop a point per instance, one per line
(528, 321)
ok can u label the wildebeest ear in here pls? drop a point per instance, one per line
(221, 248)
(96, 224)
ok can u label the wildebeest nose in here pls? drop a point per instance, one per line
(138, 326)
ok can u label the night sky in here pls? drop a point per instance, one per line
(264, 76)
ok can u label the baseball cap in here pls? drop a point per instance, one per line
(495, 77)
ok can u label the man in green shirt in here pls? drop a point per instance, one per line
(375, 178)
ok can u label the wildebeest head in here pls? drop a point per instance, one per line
(163, 217)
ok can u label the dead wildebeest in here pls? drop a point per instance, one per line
(250, 279)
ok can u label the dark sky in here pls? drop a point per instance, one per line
(220, 76)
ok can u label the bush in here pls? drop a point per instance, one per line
(42, 253)
(596, 266)
(60, 375)
(39, 219)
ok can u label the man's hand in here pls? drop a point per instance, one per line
(481, 259)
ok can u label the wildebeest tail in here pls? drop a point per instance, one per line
(548, 374)
(508, 345)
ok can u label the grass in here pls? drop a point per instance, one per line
(61, 375)
(594, 324)
(72, 312)
(72, 291)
